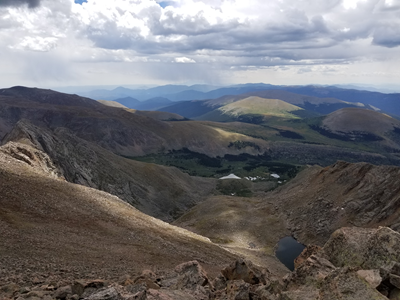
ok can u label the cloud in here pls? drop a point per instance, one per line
(387, 35)
(184, 60)
(30, 3)
(37, 44)
(196, 36)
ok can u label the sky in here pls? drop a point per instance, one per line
(47, 43)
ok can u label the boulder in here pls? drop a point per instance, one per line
(190, 275)
(346, 284)
(395, 280)
(307, 252)
(238, 290)
(373, 277)
(246, 271)
(63, 292)
(311, 272)
(110, 293)
(363, 247)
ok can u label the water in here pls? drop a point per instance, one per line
(288, 250)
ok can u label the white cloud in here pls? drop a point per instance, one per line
(210, 35)
(37, 44)
(184, 60)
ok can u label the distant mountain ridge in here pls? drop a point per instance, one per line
(199, 109)
(386, 102)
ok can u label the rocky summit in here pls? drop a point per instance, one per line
(355, 264)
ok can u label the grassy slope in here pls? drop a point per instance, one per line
(262, 106)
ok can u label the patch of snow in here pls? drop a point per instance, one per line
(230, 176)
(275, 176)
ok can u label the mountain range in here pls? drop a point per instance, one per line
(387, 102)
(86, 189)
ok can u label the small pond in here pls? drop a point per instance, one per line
(288, 249)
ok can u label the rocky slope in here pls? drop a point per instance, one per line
(320, 200)
(354, 264)
(54, 230)
(163, 192)
(310, 207)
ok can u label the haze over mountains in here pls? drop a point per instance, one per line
(87, 179)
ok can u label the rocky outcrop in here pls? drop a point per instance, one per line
(355, 264)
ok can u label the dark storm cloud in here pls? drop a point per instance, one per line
(387, 36)
(30, 3)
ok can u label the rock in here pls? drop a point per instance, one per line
(395, 280)
(97, 283)
(347, 284)
(24, 290)
(312, 272)
(148, 278)
(78, 287)
(219, 282)
(37, 294)
(361, 247)
(190, 275)
(9, 289)
(307, 252)
(261, 292)
(396, 269)
(137, 296)
(300, 295)
(63, 292)
(394, 294)
(109, 293)
(136, 288)
(149, 284)
(238, 290)
(168, 295)
(244, 270)
(373, 277)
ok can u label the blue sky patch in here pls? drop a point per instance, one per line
(164, 4)
(80, 1)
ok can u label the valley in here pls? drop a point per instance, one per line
(99, 190)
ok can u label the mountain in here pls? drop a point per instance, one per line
(321, 200)
(357, 124)
(128, 102)
(150, 104)
(167, 91)
(63, 230)
(63, 238)
(310, 207)
(89, 142)
(195, 109)
(389, 103)
(259, 106)
(344, 97)
(118, 130)
(159, 191)
(348, 120)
